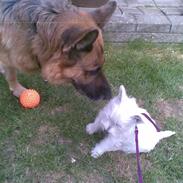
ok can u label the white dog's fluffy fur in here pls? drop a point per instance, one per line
(119, 118)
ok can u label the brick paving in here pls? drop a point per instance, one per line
(154, 20)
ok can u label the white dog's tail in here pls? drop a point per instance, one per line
(165, 134)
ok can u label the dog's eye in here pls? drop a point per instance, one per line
(137, 119)
(73, 56)
(87, 48)
(94, 72)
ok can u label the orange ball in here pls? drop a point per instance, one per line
(29, 98)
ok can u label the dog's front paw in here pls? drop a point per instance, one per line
(17, 90)
(95, 153)
(90, 129)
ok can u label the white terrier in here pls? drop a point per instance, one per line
(119, 118)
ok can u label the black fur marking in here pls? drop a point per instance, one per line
(71, 35)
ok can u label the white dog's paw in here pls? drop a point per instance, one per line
(90, 129)
(95, 153)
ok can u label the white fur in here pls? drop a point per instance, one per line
(119, 118)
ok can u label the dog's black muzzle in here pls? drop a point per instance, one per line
(97, 89)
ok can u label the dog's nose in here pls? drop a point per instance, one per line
(98, 89)
(107, 94)
(102, 93)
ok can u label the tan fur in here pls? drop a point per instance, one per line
(46, 49)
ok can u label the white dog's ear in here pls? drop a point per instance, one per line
(122, 93)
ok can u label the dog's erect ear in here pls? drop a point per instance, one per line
(76, 38)
(104, 13)
(88, 40)
(122, 94)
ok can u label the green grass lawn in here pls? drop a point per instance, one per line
(39, 145)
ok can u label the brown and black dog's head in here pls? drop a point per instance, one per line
(70, 50)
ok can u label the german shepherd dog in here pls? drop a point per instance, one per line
(56, 38)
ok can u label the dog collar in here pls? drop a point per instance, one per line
(150, 119)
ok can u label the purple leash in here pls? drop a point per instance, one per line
(139, 170)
